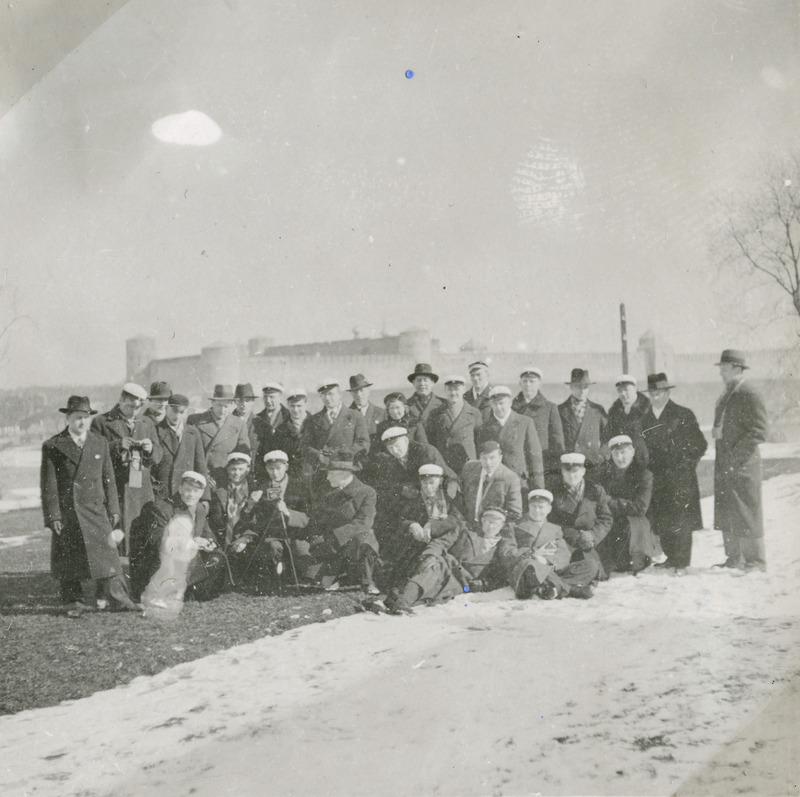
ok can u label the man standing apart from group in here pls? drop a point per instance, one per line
(740, 425)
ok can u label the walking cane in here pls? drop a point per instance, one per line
(288, 543)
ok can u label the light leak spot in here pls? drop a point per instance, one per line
(191, 128)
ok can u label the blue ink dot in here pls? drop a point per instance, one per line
(466, 588)
(409, 73)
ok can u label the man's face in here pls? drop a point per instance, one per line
(579, 391)
(453, 391)
(79, 423)
(492, 525)
(729, 372)
(538, 510)
(627, 393)
(272, 400)
(659, 397)
(159, 407)
(338, 478)
(479, 378)
(191, 492)
(530, 385)
(332, 397)
(176, 414)
(423, 385)
(398, 446)
(573, 475)
(361, 396)
(237, 471)
(622, 456)
(245, 406)
(297, 408)
(130, 406)
(429, 485)
(490, 460)
(501, 405)
(396, 410)
(276, 469)
(221, 409)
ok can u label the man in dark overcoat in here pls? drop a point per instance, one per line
(182, 448)
(360, 387)
(581, 508)
(741, 424)
(81, 508)
(583, 421)
(245, 398)
(135, 448)
(478, 395)
(626, 415)
(675, 446)
(220, 430)
(517, 437)
(266, 424)
(423, 401)
(530, 401)
(453, 428)
(291, 436)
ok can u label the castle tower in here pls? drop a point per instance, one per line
(256, 346)
(139, 353)
(415, 344)
(219, 364)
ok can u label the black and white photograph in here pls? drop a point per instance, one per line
(399, 398)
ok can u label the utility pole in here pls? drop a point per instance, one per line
(623, 328)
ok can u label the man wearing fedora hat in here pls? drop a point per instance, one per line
(182, 446)
(740, 426)
(135, 448)
(675, 446)
(157, 401)
(583, 421)
(81, 508)
(220, 430)
(360, 387)
(423, 402)
(244, 397)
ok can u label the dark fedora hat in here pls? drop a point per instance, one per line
(178, 400)
(78, 404)
(342, 460)
(244, 391)
(733, 357)
(222, 393)
(358, 381)
(658, 381)
(580, 376)
(160, 390)
(423, 369)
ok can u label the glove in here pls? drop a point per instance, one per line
(586, 541)
(57, 526)
(115, 520)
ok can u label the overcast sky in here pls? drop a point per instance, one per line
(340, 193)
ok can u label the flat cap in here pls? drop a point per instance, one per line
(295, 393)
(326, 384)
(238, 456)
(500, 390)
(477, 364)
(455, 379)
(620, 440)
(545, 494)
(531, 369)
(272, 387)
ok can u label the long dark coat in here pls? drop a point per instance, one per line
(372, 417)
(675, 445)
(79, 489)
(587, 436)
(520, 445)
(293, 441)
(179, 456)
(521, 543)
(455, 437)
(265, 433)
(482, 403)
(547, 420)
(737, 469)
(348, 432)
(421, 410)
(631, 424)
(219, 441)
(342, 515)
(112, 426)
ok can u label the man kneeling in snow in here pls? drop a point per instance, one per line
(536, 559)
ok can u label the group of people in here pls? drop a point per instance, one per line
(412, 502)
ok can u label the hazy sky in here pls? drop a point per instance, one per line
(342, 194)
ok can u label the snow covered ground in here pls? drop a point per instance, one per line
(658, 685)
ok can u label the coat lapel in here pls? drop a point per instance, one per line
(67, 446)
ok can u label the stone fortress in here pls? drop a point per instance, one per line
(387, 359)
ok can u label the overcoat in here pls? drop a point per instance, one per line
(178, 457)
(79, 489)
(587, 436)
(503, 490)
(737, 469)
(219, 441)
(522, 542)
(547, 420)
(293, 441)
(630, 423)
(482, 403)
(348, 432)
(416, 431)
(345, 514)
(455, 436)
(675, 445)
(519, 443)
(421, 410)
(252, 434)
(112, 426)
(265, 434)
(372, 417)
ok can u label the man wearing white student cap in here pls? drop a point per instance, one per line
(626, 415)
(267, 423)
(546, 418)
(518, 439)
(581, 508)
(135, 448)
(478, 394)
(336, 427)
(453, 427)
(291, 436)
